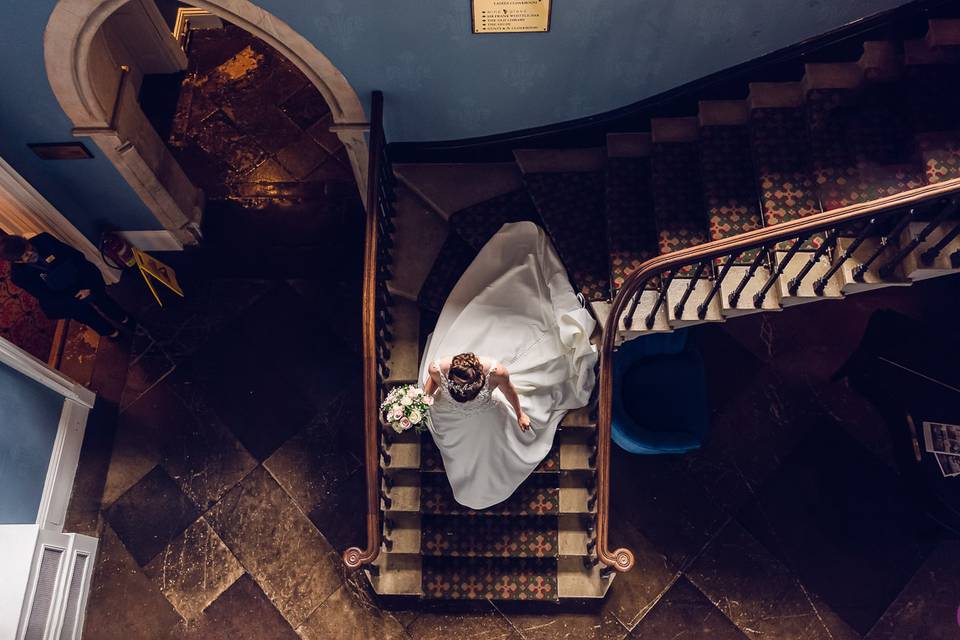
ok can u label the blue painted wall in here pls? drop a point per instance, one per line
(29, 415)
(440, 81)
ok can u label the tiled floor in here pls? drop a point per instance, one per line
(235, 481)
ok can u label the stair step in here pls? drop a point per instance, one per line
(638, 328)
(667, 130)
(805, 292)
(572, 538)
(688, 314)
(490, 579)
(933, 106)
(574, 580)
(678, 195)
(404, 493)
(431, 461)
(404, 451)
(722, 113)
(881, 61)
(581, 418)
(478, 223)
(631, 232)
(775, 95)
(404, 360)
(943, 32)
(913, 267)
(449, 188)
(537, 496)
(397, 574)
(745, 304)
(571, 206)
(871, 278)
(575, 456)
(478, 537)
(451, 261)
(420, 234)
(404, 534)
(575, 494)
(831, 75)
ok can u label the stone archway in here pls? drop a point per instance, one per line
(68, 41)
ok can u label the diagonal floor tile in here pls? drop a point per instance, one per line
(194, 569)
(347, 615)
(277, 544)
(151, 514)
(478, 621)
(600, 625)
(685, 614)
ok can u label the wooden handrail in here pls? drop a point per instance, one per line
(355, 557)
(623, 559)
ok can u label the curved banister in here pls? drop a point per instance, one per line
(355, 557)
(622, 559)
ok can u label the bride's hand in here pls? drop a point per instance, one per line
(524, 421)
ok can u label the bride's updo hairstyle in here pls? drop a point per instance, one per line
(466, 377)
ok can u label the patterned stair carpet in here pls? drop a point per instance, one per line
(506, 552)
(631, 234)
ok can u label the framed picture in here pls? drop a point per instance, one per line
(61, 150)
(510, 16)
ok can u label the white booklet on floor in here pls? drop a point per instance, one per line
(943, 441)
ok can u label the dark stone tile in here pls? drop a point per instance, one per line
(242, 612)
(350, 615)
(305, 107)
(83, 513)
(338, 513)
(844, 523)
(320, 132)
(756, 591)
(601, 625)
(124, 603)
(79, 353)
(263, 122)
(194, 569)
(140, 433)
(332, 170)
(147, 368)
(209, 48)
(656, 496)
(929, 607)
(219, 137)
(481, 621)
(684, 613)
(301, 157)
(278, 545)
(151, 514)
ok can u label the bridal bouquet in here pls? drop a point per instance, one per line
(406, 407)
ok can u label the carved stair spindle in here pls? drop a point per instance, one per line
(606, 572)
(884, 242)
(794, 285)
(661, 298)
(928, 256)
(590, 561)
(901, 253)
(778, 271)
(715, 289)
(678, 308)
(387, 502)
(864, 233)
(735, 294)
(628, 319)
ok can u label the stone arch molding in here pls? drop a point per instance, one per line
(67, 43)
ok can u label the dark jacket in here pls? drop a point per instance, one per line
(57, 276)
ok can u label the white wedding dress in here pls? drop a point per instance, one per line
(513, 304)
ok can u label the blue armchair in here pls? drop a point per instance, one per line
(659, 395)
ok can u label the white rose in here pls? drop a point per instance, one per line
(415, 417)
(406, 401)
(412, 392)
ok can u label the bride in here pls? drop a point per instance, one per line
(510, 355)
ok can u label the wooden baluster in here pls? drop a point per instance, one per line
(794, 285)
(928, 256)
(661, 298)
(886, 270)
(734, 297)
(884, 241)
(821, 282)
(778, 271)
(678, 308)
(715, 289)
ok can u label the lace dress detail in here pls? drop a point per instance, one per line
(471, 407)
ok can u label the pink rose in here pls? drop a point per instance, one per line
(404, 424)
(428, 400)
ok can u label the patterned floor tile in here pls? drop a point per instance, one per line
(477, 224)
(478, 578)
(537, 496)
(729, 184)
(678, 204)
(684, 612)
(572, 208)
(631, 232)
(513, 537)
(293, 564)
(194, 569)
(150, 515)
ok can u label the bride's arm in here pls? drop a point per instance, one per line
(432, 385)
(501, 378)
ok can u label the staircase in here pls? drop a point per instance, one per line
(845, 137)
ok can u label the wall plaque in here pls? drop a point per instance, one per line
(511, 16)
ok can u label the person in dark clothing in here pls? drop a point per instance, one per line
(64, 282)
